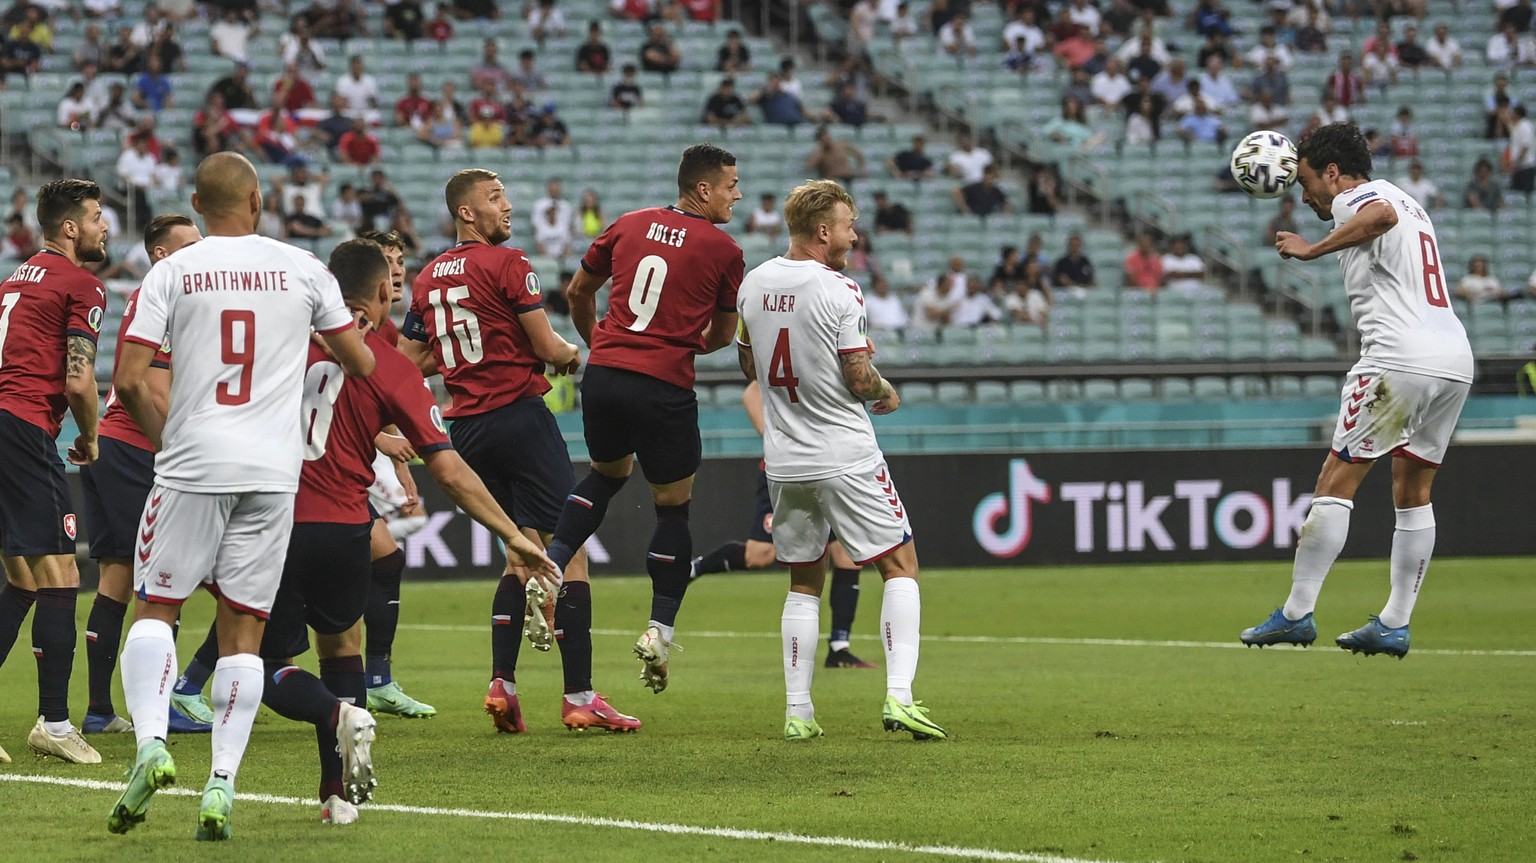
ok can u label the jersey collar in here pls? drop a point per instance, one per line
(682, 212)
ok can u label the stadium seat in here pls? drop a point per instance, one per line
(1138, 389)
(1026, 392)
(1176, 389)
(991, 392)
(1322, 386)
(918, 393)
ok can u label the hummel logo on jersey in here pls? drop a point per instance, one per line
(163, 579)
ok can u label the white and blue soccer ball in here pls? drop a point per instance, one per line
(1264, 164)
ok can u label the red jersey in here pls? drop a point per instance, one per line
(388, 331)
(702, 10)
(117, 423)
(671, 272)
(465, 305)
(342, 416)
(47, 300)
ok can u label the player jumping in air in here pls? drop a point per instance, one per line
(50, 312)
(1402, 398)
(477, 317)
(238, 309)
(675, 277)
(115, 488)
(757, 553)
(803, 340)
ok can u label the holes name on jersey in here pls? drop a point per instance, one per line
(670, 236)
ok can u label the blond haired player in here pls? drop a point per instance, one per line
(802, 339)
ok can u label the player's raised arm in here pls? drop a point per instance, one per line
(464, 487)
(1371, 221)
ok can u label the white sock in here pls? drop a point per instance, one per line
(1322, 538)
(666, 631)
(839, 645)
(801, 628)
(581, 699)
(236, 694)
(149, 669)
(508, 685)
(59, 728)
(901, 615)
(1412, 544)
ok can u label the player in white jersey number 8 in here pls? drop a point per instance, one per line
(1401, 399)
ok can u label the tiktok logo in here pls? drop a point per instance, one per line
(1023, 487)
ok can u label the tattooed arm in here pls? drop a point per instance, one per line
(864, 381)
(80, 392)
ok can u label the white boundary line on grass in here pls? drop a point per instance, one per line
(986, 639)
(615, 823)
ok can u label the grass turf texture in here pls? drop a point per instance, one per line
(1119, 753)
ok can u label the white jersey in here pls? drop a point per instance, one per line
(239, 312)
(799, 317)
(1398, 294)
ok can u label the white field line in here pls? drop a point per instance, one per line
(613, 823)
(686, 634)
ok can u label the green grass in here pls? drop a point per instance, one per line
(1116, 753)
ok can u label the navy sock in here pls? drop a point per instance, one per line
(200, 668)
(584, 509)
(845, 601)
(731, 557)
(53, 643)
(573, 629)
(383, 615)
(14, 605)
(343, 676)
(507, 608)
(667, 562)
(294, 693)
(103, 633)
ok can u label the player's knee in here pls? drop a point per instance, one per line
(609, 484)
(116, 582)
(55, 570)
(672, 513)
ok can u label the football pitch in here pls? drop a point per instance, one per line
(1097, 714)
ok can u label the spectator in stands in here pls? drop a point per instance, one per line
(1217, 88)
(1023, 33)
(890, 216)
(861, 26)
(835, 160)
(96, 87)
(1421, 188)
(983, 197)
(358, 88)
(938, 14)
(442, 131)
(1401, 141)
(1030, 300)
(1345, 84)
(1269, 48)
(850, 109)
(488, 99)
(1111, 86)
(1284, 220)
(277, 135)
(1273, 80)
(1143, 121)
(302, 190)
(90, 49)
(705, 11)
(1267, 115)
(1044, 198)
(295, 92)
(1079, 87)
(766, 219)
(1147, 59)
(486, 130)
(968, 159)
(271, 224)
(144, 130)
(1173, 81)
(1143, 265)
(358, 146)
(1443, 51)
(136, 171)
(403, 19)
(1071, 127)
(1380, 66)
(778, 105)
(380, 203)
(447, 99)
(1183, 270)
(1411, 54)
(20, 240)
(552, 233)
(630, 10)
(660, 53)
(440, 27)
(414, 107)
(489, 69)
(725, 108)
(549, 129)
(474, 10)
(33, 27)
(1522, 153)
(912, 163)
(123, 57)
(903, 25)
(304, 225)
(299, 48)
(341, 21)
(977, 308)
(521, 132)
(1210, 17)
(1073, 271)
(230, 36)
(940, 298)
(1479, 285)
(544, 20)
(235, 88)
(734, 55)
(528, 74)
(1216, 45)
(884, 312)
(213, 129)
(626, 91)
(330, 130)
(1008, 273)
(168, 51)
(956, 38)
(152, 91)
(73, 111)
(589, 215)
(788, 81)
(1201, 126)
(593, 56)
(554, 197)
(1516, 12)
(1509, 49)
(1483, 192)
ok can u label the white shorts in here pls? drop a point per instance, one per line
(863, 508)
(232, 544)
(386, 494)
(1391, 412)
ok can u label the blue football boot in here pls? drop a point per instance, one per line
(1279, 629)
(1374, 638)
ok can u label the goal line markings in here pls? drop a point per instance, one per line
(990, 639)
(591, 821)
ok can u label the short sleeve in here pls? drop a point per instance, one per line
(152, 315)
(1346, 205)
(852, 327)
(733, 271)
(413, 409)
(521, 284)
(86, 303)
(330, 313)
(599, 258)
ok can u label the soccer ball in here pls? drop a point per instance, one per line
(1264, 164)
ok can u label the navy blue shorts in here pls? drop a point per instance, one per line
(116, 486)
(37, 515)
(326, 579)
(627, 413)
(520, 456)
(761, 529)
